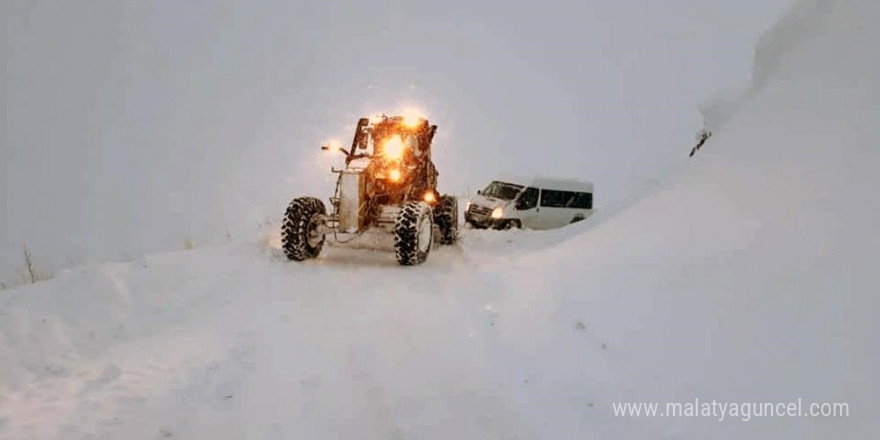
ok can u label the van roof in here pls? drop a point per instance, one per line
(557, 183)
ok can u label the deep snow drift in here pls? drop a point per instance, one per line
(750, 277)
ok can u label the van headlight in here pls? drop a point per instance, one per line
(497, 212)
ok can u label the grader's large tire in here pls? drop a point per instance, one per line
(413, 233)
(446, 217)
(300, 231)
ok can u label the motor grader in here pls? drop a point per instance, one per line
(386, 196)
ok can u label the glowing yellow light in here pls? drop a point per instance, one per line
(412, 122)
(430, 197)
(497, 212)
(393, 147)
(394, 175)
(334, 145)
(412, 117)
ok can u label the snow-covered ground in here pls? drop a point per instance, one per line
(749, 277)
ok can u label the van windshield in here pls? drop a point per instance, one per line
(501, 190)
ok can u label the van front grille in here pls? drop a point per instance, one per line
(479, 210)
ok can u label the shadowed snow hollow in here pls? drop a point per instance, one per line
(750, 277)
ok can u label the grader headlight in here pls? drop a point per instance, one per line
(393, 148)
(412, 121)
(412, 117)
(394, 175)
(333, 145)
(430, 197)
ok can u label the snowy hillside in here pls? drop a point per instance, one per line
(748, 277)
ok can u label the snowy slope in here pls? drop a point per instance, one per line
(749, 277)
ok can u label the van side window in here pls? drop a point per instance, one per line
(556, 199)
(583, 201)
(528, 199)
(566, 199)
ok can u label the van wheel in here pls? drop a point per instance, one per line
(509, 224)
(474, 225)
